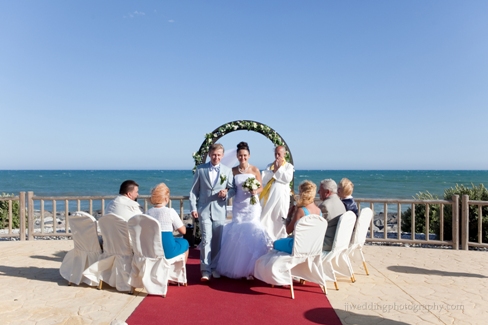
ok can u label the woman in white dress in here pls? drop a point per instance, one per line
(244, 240)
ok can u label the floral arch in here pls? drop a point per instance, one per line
(210, 138)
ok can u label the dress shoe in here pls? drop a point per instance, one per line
(215, 274)
(205, 277)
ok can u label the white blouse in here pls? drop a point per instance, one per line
(168, 219)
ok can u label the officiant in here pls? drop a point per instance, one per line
(275, 197)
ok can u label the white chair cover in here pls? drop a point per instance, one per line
(150, 269)
(359, 236)
(279, 268)
(86, 249)
(114, 265)
(336, 260)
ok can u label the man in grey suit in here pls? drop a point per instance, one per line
(332, 208)
(212, 185)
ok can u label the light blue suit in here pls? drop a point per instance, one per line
(211, 211)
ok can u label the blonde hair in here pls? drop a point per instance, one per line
(160, 194)
(306, 193)
(216, 146)
(346, 186)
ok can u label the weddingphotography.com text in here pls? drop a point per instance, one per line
(394, 307)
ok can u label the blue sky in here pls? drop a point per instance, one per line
(347, 84)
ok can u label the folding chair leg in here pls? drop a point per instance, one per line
(324, 289)
(336, 286)
(131, 291)
(291, 291)
(365, 268)
(364, 262)
(302, 281)
(100, 285)
(353, 278)
(69, 283)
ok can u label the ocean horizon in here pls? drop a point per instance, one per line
(396, 184)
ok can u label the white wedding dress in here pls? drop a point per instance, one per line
(244, 239)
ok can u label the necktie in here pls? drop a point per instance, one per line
(216, 168)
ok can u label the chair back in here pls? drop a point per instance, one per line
(344, 230)
(84, 232)
(145, 234)
(115, 234)
(362, 226)
(309, 235)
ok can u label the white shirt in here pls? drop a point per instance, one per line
(213, 174)
(123, 207)
(168, 219)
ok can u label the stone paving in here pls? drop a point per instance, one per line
(406, 286)
(33, 291)
(415, 286)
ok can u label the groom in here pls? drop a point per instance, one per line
(212, 184)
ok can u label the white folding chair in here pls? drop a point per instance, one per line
(335, 261)
(279, 268)
(359, 238)
(86, 249)
(150, 269)
(113, 266)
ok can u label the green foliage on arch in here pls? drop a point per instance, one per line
(212, 137)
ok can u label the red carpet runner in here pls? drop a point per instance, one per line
(228, 301)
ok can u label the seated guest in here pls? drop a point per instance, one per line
(332, 208)
(125, 204)
(344, 190)
(304, 206)
(168, 221)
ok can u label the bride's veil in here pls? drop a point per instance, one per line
(230, 158)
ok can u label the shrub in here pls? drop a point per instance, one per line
(4, 212)
(434, 215)
(476, 193)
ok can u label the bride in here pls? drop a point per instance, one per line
(244, 240)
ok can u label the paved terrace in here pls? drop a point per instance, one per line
(405, 286)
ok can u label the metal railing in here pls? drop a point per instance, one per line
(45, 216)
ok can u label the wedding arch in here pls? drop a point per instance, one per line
(210, 138)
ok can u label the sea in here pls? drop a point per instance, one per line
(368, 184)
(390, 184)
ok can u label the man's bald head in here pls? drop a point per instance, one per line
(280, 149)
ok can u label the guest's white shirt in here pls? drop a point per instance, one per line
(168, 219)
(123, 207)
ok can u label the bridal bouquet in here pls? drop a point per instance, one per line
(251, 184)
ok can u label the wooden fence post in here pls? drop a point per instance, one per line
(455, 222)
(465, 222)
(30, 214)
(22, 215)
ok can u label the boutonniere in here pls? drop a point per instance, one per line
(223, 178)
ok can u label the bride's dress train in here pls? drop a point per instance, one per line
(244, 240)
